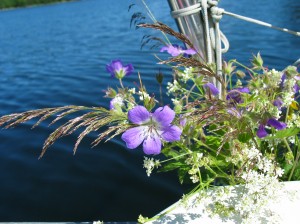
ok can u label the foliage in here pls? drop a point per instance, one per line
(21, 3)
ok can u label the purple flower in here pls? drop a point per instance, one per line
(234, 95)
(152, 127)
(175, 50)
(116, 69)
(234, 112)
(182, 121)
(283, 78)
(296, 88)
(212, 88)
(261, 132)
(276, 124)
(278, 103)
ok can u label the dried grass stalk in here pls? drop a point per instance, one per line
(92, 120)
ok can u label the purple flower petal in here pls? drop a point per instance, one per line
(173, 51)
(212, 88)
(134, 136)
(113, 67)
(139, 115)
(283, 78)
(235, 94)
(111, 104)
(163, 115)
(233, 111)
(276, 124)
(164, 48)
(182, 121)
(152, 144)
(278, 103)
(190, 51)
(110, 70)
(296, 88)
(243, 90)
(171, 133)
(261, 132)
(128, 69)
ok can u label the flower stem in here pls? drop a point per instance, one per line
(176, 157)
(161, 95)
(245, 67)
(121, 83)
(296, 160)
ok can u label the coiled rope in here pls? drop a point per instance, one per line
(214, 38)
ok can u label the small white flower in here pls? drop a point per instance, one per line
(194, 178)
(187, 74)
(98, 222)
(116, 102)
(173, 87)
(150, 164)
(143, 95)
(132, 90)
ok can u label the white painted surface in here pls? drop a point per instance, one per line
(286, 208)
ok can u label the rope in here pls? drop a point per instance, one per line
(248, 19)
(186, 11)
(214, 38)
(216, 14)
(206, 26)
(197, 8)
(297, 62)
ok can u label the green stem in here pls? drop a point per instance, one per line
(245, 67)
(152, 17)
(287, 145)
(161, 95)
(188, 94)
(295, 161)
(287, 113)
(121, 83)
(176, 157)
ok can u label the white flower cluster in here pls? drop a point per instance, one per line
(275, 79)
(98, 222)
(132, 90)
(288, 92)
(196, 160)
(287, 98)
(177, 105)
(248, 202)
(150, 164)
(187, 74)
(117, 102)
(143, 95)
(173, 87)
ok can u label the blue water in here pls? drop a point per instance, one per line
(55, 55)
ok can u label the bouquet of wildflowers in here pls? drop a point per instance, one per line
(244, 133)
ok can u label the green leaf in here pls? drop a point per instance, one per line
(169, 152)
(213, 141)
(240, 74)
(244, 137)
(182, 174)
(284, 133)
(171, 166)
(257, 62)
(296, 175)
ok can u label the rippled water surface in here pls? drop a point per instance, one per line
(55, 55)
